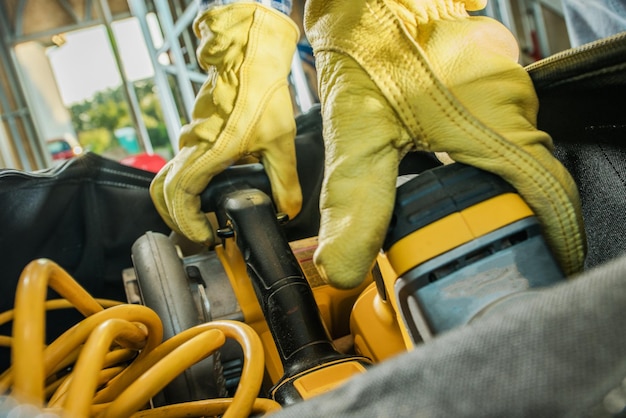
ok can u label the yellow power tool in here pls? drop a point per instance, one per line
(461, 241)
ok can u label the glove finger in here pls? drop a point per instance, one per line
(193, 169)
(361, 134)
(274, 141)
(280, 165)
(157, 193)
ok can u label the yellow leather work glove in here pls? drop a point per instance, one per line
(396, 75)
(243, 109)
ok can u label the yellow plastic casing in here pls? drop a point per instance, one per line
(456, 229)
(334, 304)
(444, 235)
(326, 377)
(375, 328)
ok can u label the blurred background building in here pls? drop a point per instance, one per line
(119, 77)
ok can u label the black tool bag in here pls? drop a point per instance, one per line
(582, 96)
(84, 215)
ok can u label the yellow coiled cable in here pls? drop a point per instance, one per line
(116, 358)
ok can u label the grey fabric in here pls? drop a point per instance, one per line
(589, 20)
(553, 353)
(600, 172)
(582, 96)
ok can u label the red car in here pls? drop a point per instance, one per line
(63, 149)
(147, 162)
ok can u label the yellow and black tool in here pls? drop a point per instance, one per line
(461, 240)
(310, 362)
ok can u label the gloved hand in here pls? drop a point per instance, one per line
(396, 75)
(243, 109)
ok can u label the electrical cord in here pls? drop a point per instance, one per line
(114, 361)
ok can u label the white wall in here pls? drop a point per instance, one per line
(6, 156)
(51, 117)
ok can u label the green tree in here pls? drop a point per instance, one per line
(96, 140)
(108, 110)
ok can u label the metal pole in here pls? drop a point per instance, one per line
(302, 92)
(185, 17)
(10, 116)
(506, 15)
(129, 90)
(168, 105)
(542, 32)
(167, 23)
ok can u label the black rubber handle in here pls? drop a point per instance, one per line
(238, 177)
(283, 292)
